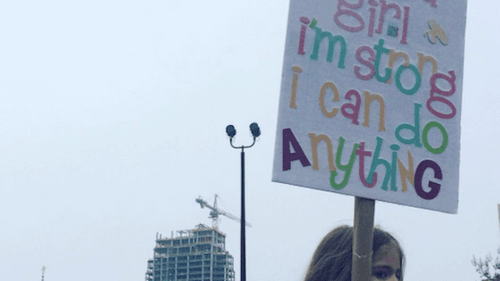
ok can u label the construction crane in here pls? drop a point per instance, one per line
(43, 272)
(215, 212)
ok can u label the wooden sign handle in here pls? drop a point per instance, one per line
(362, 245)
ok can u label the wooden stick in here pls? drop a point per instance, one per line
(362, 245)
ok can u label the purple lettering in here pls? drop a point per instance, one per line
(419, 174)
(288, 157)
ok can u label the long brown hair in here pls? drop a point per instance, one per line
(332, 260)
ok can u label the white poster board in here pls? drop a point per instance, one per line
(370, 100)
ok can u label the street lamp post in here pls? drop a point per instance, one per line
(231, 132)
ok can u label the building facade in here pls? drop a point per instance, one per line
(192, 255)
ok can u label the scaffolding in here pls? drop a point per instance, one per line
(197, 254)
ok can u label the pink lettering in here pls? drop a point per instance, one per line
(383, 10)
(433, 3)
(436, 90)
(303, 29)
(354, 115)
(405, 25)
(371, 25)
(368, 63)
(341, 11)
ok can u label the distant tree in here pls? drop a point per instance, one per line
(483, 267)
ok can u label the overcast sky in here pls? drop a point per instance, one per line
(112, 122)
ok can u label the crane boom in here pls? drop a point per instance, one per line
(215, 212)
(204, 204)
(43, 272)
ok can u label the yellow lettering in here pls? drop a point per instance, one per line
(422, 59)
(315, 139)
(293, 98)
(406, 173)
(393, 56)
(369, 98)
(336, 97)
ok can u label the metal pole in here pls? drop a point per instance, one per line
(499, 213)
(243, 266)
(231, 132)
(362, 245)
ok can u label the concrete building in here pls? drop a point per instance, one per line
(192, 255)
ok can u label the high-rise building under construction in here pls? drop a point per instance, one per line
(197, 254)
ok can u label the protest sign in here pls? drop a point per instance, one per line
(370, 100)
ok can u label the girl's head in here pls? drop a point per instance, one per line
(332, 260)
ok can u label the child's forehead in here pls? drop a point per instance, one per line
(388, 254)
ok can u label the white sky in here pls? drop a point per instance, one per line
(112, 122)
